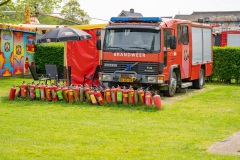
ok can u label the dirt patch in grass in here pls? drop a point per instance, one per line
(185, 93)
(230, 145)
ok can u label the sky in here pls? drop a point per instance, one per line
(105, 9)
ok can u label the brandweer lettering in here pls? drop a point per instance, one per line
(129, 54)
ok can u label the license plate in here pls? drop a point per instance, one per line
(126, 80)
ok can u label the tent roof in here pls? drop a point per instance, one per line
(4, 26)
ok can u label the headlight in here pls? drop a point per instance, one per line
(106, 77)
(152, 79)
(160, 79)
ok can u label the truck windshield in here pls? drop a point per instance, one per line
(132, 40)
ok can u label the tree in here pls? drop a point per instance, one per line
(40, 7)
(72, 11)
(4, 2)
(14, 11)
(9, 13)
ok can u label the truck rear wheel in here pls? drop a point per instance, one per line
(172, 86)
(199, 83)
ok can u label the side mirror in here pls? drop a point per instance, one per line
(99, 44)
(98, 33)
(173, 42)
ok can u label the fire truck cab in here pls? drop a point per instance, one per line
(156, 53)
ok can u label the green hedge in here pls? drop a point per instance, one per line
(48, 53)
(226, 64)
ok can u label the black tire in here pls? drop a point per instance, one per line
(200, 82)
(179, 83)
(172, 87)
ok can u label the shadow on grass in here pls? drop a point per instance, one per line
(24, 102)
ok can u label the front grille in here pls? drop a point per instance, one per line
(145, 68)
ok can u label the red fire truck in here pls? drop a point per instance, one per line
(156, 53)
(227, 38)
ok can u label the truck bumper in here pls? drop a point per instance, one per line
(131, 77)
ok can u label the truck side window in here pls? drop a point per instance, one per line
(185, 34)
(179, 31)
(167, 35)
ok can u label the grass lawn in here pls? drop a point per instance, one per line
(183, 129)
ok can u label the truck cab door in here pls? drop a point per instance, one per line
(169, 57)
(183, 43)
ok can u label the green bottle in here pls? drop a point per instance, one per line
(37, 92)
(119, 96)
(59, 94)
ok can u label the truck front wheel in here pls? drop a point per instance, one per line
(111, 84)
(172, 86)
(199, 83)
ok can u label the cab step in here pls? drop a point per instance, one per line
(186, 84)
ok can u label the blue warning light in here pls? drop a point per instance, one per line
(136, 19)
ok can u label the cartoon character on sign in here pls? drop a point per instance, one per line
(7, 46)
(18, 49)
(30, 46)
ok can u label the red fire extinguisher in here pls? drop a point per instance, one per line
(70, 96)
(42, 91)
(125, 95)
(59, 94)
(12, 93)
(24, 89)
(65, 93)
(54, 93)
(107, 95)
(18, 94)
(157, 101)
(92, 97)
(119, 95)
(148, 98)
(131, 95)
(48, 93)
(135, 97)
(87, 95)
(76, 93)
(99, 97)
(81, 91)
(32, 94)
(101, 90)
(114, 94)
(141, 96)
(37, 92)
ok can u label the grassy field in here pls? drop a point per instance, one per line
(183, 129)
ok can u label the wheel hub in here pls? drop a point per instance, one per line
(173, 84)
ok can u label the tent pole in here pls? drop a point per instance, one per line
(65, 54)
(65, 64)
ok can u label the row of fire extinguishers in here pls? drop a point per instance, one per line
(81, 93)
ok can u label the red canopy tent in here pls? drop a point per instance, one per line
(83, 56)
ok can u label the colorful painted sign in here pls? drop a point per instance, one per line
(18, 53)
(7, 53)
(30, 46)
(1, 56)
(29, 50)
